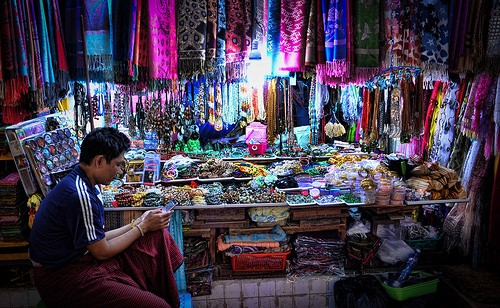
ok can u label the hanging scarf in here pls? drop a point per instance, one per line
(493, 44)
(273, 34)
(435, 41)
(124, 38)
(445, 132)
(62, 69)
(315, 40)
(98, 38)
(496, 118)
(486, 126)
(238, 37)
(162, 40)
(14, 58)
(211, 45)
(479, 92)
(460, 15)
(293, 30)
(191, 38)
(337, 39)
(48, 76)
(140, 55)
(428, 118)
(366, 48)
(393, 39)
(409, 28)
(220, 52)
(311, 35)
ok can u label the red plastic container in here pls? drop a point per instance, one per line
(257, 148)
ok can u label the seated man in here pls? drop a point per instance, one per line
(78, 264)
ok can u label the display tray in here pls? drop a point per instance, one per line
(249, 178)
(436, 201)
(257, 159)
(294, 189)
(232, 158)
(177, 181)
(302, 204)
(340, 203)
(355, 204)
(207, 180)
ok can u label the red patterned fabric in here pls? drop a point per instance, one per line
(141, 276)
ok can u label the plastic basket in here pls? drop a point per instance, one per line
(185, 300)
(259, 262)
(257, 148)
(429, 244)
(414, 290)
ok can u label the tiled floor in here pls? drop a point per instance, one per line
(255, 293)
(19, 297)
(267, 293)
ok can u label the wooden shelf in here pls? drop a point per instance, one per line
(7, 156)
(14, 251)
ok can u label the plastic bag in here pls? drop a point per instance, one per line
(359, 292)
(302, 134)
(394, 251)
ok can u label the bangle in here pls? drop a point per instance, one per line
(140, 230)
(132, 224)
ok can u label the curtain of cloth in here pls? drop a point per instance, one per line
(192, 37)
(435, 41)
(293, 31)
(162, 40)
(238, 37)
(123, 39)
(273, 34)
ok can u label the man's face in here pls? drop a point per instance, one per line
(112, 169)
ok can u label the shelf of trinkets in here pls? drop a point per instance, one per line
(52, 152)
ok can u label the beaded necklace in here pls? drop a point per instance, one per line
(218, 107)
(200, 98)
(271, 110)
(211, 104)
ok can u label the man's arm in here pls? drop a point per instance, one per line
(123, 229)
(108, 248)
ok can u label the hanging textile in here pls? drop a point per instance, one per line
(293, 31)
(367, 29)
(273, 34)
(410, 30)
(315, 39)
(445, 133)
(98, 37)
(429, 114)
(124, 38)
(219, 70)
(191, 38)
(337, 39)
(350, 101)
(496, 118)
(435, 41)
(393, 42)
(162, 39)
(238, 37)
(13, 49)
(493, 43)
(479, 92)
(258, 26)
(211, 45)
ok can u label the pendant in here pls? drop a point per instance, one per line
(218, 125)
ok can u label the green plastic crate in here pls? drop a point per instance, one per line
(414, 290)
(429, 244)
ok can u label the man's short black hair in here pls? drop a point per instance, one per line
(107, 141)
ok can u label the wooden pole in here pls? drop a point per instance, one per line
(86, 64)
